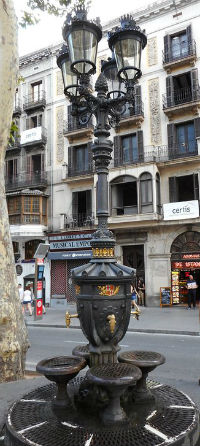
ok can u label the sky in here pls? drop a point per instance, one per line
(48, 31)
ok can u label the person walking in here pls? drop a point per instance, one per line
(191, 287)
(27, 301)
(141, 290)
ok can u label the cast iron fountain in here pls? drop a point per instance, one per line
(114, 403)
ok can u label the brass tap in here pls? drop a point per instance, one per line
(68, 317)
(112, 322)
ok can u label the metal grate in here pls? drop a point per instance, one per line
(33, 420)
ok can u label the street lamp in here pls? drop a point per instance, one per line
(103, 323)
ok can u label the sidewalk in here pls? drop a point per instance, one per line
(166, 320)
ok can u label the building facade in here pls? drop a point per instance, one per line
(153, 176)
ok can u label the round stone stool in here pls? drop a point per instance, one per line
(146, 361)
(82, 351)
(115, 378)
(61, 370)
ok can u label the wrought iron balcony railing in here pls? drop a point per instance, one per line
(80, 221)
(179, 52)
(181, 96)
(15, 144)
(159, 154)
(35, 100)
(73, 125)
(136, 110)
(17, 109)
(33, 179)
(82, 170)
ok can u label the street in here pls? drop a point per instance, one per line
(181, 370)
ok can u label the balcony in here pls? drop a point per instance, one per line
(75, 131)
(165, 154)
(35, 101)
(77, 221)
(36, 136)
(133, 117)
(181, 55)
(182, 101)
(14, 145)
(26, 180)
(17, 109)
(76, 172)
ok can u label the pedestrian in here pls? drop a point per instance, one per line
(21, 294)
(134, 296)
(192, 288)
(27, 301)
(141, 291)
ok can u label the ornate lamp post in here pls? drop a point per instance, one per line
(103, 285)
(94, 410)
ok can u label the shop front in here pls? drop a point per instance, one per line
(67, 251)
(185, 260)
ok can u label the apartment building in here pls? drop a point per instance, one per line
(153, 176)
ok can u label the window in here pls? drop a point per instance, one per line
(82, 207)
(34, 121)
(36, 91)
(182, 89)
(186, 141)
(129, 149)
(30, 248)
(146, 193)
(27, 209)
(184, 188)
(11, 170)
(79, 159)
(124, 197)
(179, 45)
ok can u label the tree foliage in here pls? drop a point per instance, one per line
(53, 7)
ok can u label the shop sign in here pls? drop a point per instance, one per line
(39, 304)
(70, 237)
(70, 255)
(184, 265)
(190, 256)
(73, 244)
(181, 210)
(30, 135)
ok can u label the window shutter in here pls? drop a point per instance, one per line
(117, 151)
(140, 145)
(75, 204)
(197, 127)
(70, 149)
(173, 195)
(27, 124)
(89, 202)
(194, 83)
(15, 167)
(42, 162)
(189, 38)
(138, 100)
(170, 91)
(28, 164)
(171, 133)
(72, 122)
(90, 163)
(167, 49)
(196, 186)
(6, 169)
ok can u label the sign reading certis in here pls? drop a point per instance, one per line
(30, 135)
(181, 210)
(72, 244)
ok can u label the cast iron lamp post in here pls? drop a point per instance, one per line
(103, 285)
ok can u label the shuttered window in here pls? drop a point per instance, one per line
(184, 188)
(128, 148)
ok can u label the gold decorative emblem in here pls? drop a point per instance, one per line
(108, 290)
(77, 289)
(103, 252)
